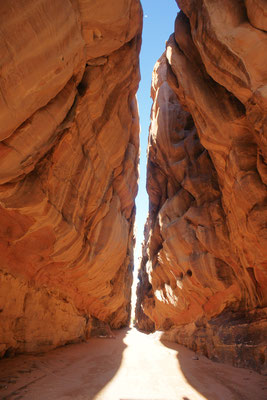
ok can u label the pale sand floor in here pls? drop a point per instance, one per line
(133, 366)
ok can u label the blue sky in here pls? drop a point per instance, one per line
(159, 17)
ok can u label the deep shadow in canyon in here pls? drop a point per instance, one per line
(75, 371)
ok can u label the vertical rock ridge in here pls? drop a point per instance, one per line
(203, 274)
(68, 158)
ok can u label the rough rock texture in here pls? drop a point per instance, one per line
(68, 168)
(205, 260)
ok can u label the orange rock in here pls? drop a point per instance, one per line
(206, 244)
(68, 168)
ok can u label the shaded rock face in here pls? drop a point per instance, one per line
(205, 254)
(68, 168)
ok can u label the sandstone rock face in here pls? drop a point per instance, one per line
(205, 255)
(68, 168)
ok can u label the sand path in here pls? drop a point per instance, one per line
(133, 366)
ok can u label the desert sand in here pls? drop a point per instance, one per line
(131, 366)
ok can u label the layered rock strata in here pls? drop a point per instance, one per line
(205, 255)
(68, 168)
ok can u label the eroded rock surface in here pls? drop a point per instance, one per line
(68, 168)
(205, 257)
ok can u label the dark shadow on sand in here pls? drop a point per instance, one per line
(189, 367)
(73, 371)
(217, 381)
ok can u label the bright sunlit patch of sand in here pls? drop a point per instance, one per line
(148, 371)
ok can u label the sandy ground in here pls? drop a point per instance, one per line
(133, 366)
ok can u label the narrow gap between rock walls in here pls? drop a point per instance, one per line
(158, 24)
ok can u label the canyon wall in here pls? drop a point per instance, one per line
(203, 277)
(69, 150)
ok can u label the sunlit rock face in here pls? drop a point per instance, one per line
(205, 256)
(68, 168)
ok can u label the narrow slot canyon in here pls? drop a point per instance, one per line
(133, 207)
